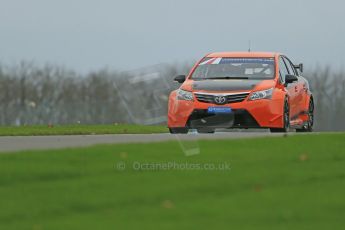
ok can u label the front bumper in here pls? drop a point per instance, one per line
(239, 118)
(265, 113)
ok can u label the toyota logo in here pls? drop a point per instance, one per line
(220, 100)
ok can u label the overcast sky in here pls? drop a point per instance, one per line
(91, 34)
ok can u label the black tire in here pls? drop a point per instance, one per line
(181, 130)
(286, 120)
(206, 130)
(310, 123)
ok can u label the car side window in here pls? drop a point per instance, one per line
(282, 70)
(290, 67)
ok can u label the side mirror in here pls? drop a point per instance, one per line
(300, 67)
(290, 78)
(180, 78)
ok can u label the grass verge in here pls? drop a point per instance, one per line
(294, 182)
(40, 130)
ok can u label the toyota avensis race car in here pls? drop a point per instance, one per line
(242, 90)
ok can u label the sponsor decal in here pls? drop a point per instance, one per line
(214, 61)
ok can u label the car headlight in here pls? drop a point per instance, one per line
(184, 95)
(264, 94)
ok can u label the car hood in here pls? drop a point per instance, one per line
(228, 85)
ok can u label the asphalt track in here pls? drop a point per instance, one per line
(13, 144)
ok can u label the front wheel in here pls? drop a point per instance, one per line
(286, 120)
(180, 130)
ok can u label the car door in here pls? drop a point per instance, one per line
(290, 88)
(298, 86)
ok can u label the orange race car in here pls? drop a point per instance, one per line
(242, 90)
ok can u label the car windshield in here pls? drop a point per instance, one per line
(234, 68)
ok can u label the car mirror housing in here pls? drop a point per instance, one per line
(290, 78)
(180, 78)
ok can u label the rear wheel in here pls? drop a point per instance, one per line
(308, 127)
(286, 120)
(180, 130)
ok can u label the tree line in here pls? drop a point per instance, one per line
(31, 94)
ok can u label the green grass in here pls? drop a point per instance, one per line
(40, 130)
(294, 182)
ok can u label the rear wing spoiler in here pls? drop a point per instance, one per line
(299, 66)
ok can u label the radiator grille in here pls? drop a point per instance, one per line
(232, 98)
